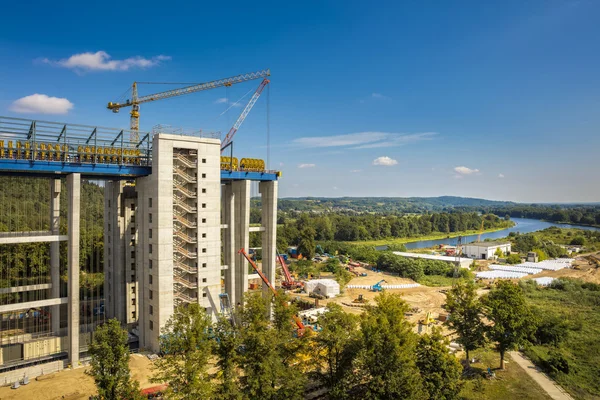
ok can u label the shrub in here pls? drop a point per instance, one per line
(578, 241)
(556, 362)
(513, 259)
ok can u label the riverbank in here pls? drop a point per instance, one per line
(438, 236)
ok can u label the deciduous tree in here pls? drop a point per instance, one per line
(336, 348)
(110, 363)
(187, 346)
(465, 316)
(511, 319)
(389, 351)
(440, 370)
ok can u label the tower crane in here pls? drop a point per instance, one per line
(136, 100)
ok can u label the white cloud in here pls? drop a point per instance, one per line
(364, 140)
(41, 104)
(380, 96)
(224, 100)
(355, 170)
(465, 171)
(306, 165)
(385, 161)
(501, 176)
(101, 61)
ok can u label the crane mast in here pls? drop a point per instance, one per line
(136, 100)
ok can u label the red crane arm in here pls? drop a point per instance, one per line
(286, 271)
(297, 320)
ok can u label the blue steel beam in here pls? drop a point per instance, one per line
(109, 171)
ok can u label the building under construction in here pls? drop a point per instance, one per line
(175, 213)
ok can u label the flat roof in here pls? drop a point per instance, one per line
(487, 244)
(430, 256)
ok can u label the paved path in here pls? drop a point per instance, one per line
(553, 390)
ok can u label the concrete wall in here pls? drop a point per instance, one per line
(483, 251)
(32, 372)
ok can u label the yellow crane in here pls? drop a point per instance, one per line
(136, 100)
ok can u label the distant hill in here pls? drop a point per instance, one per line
(385, 204)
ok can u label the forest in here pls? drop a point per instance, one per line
(308, 229)
(25, 206)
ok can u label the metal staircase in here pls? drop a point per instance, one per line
(186, 192)
(184, 175)
(184, 160)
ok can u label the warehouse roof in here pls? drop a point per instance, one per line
(487, 244)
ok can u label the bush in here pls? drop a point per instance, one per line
(556, 362)
(513, 259)
(577, 241)
(552, 329)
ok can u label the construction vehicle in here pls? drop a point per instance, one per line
(136, 100)
(298, 321)
(360, 299)
(377, 287)
(288, 283)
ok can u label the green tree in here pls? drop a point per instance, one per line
(462, 303)
(336, 349)
(513, 259)
(512, 321)
(227, 351)
(187, 347)
(306, 244)
(541, 254)
(578, 241)
(499, 253)
(440, 370)
(389, 351)
(267, 355)
(110, 363)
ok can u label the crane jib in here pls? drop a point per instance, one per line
(196, 88)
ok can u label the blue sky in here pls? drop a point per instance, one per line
(498, 100)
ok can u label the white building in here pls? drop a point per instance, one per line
(462, 261)
(485, 250)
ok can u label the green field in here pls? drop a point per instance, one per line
(383, 242)
(578, 304)
(512, 383)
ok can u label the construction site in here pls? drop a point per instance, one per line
(176, 212)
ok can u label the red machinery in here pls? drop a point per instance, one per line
(299, 324)
(289, 282)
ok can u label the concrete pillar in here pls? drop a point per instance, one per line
(74, 193)
(229, 250)
(268, 192)
(55, 252)
(241, 192)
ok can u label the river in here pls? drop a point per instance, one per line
(523, 225)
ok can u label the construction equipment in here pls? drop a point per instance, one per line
(377, 287)
(136, 100)
(288, 283)
(243, 115)
(360, 299)
(298, 321)
(225, 304)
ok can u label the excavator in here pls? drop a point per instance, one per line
(377, 287)
(301, 327)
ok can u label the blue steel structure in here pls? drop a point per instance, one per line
(43, 148)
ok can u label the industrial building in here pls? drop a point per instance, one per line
(485, 250)
(462, 262)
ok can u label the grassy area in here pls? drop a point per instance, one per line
(578, 304)
(437, 280)
(512, 383)
(383, 242)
